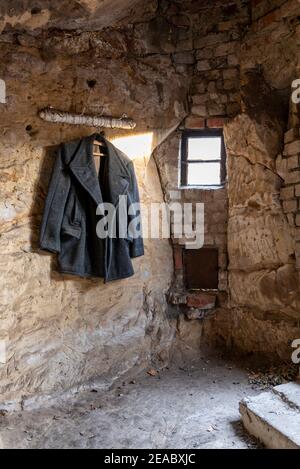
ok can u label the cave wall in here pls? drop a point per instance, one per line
(61, 332)
(214, 97)
(230, 66)
(263, 278)
(243, 70)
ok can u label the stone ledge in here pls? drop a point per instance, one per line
(195, 305)
(290, 393)
(273, 417)
(199, 300)
(193, 313)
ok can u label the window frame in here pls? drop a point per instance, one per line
(184, 161)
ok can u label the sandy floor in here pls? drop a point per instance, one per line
(179, 408)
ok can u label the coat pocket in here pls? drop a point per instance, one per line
(72, 222)
(70, 230)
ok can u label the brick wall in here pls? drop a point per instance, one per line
(288, 166)
(215, 91)
(214, 97)
(215, 208)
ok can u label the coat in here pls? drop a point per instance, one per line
(70, 220)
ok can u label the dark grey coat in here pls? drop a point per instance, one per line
(69, 220)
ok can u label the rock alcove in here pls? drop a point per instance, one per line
(171, 66)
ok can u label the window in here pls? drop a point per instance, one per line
(203, 158)
(201, 269)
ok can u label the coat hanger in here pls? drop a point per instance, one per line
(100, 149)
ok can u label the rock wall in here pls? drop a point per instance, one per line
(225, 70)
(61, 332)
(214, 97)
(215, 210)
(263, 281)
(243, 69)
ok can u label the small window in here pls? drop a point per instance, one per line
(203, 158)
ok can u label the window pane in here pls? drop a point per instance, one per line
(204, 148)
(206, 174)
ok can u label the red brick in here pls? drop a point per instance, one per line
(178, 260)
(216, 123)
(201, 300)
(194, 122)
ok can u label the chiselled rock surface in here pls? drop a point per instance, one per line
(59, 331)
(241, 81)
(83, 14)
(163, 63)
(62, 331)
(273, 417)
(263, 280)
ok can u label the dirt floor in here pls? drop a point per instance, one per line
(193, 407)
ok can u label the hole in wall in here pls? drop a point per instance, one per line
(30, 131)
(91, 83)
(230, 9)
(35, 10)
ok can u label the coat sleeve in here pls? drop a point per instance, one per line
(135, 236)
(55, 205)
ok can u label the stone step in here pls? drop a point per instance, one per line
(290, 393)
(273, 417)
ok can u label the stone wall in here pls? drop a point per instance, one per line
(61, 332)
(242, 78)
(214, 97)
(228, 66)
(263, 280)
(215, 209)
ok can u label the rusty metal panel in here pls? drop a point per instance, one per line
(201, 268)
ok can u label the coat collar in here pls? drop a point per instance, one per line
(83, 167)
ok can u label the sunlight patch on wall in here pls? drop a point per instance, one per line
(135, 146)
(3, 355)
(2, 92)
